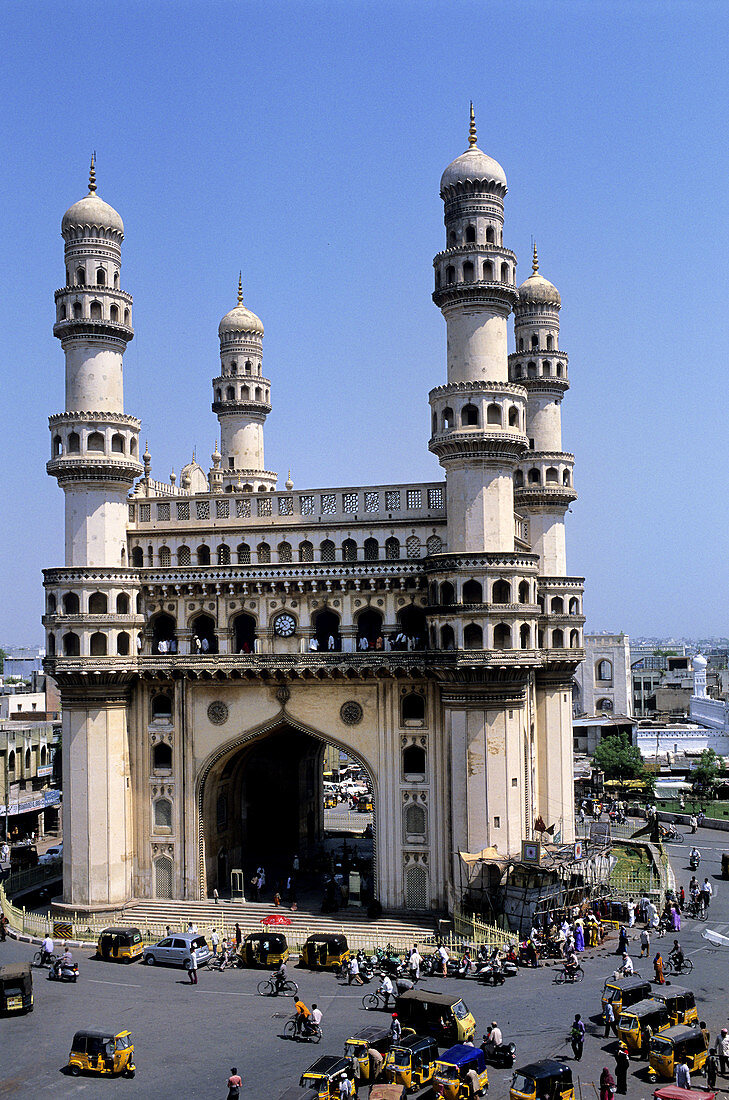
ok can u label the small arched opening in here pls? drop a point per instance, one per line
(371, 549)
(306, 551)
(488, 272)
(413, 758)
(95, 442)
(203, 555)
(469, 416)
(525, 636)
(556, 605)
(98, 644)
(413, 627)
(493, 414)
(470, 234)
(244, 633)
(574, 606)
(502, 636)
(118, 443)
(473, 636)
(327, 630)
(244, 553)
(501, 592)
(468, 272)
(447, 593)
(71, 644)
(204, 638)
(164, 630)
(519, 479)
(447, 637)
(472, 592)
(557, 639)
(70, 603)
(137, 557)
(574, 639)
(392, 548)
(349, 550)
(513, 417)
(284, 552)
(162, 757)
(369, 629)
(223, 554)
(327, 551)
(123, 643)
(412, 709)
(122, 604)
(524, 592)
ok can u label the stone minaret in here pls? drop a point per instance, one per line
(478, 417)
(94, 445)
(242, 399)
(543, 482)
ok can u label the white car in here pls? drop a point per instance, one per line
(53, 855)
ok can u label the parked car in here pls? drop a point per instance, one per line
(176, 950)
(52, 855)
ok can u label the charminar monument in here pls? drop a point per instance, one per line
(212, 633)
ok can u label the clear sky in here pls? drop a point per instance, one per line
(304, 142)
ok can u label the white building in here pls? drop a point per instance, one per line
(603, 681)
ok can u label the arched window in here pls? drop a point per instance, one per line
(140, 603)
(517, 370)
(413, 625)
(133, 446)
(502, 636)
(230, 393)
(469, 416)
(525, 636)
(447, 637)
(248, 367)
(163, 878)
(493, 414)
(100, 277)
(203, 555)
(452, 237)
(490, 235)
(472, 592)
(412, 546)
(524, 592)
(534, 476)
(223, 554)
(163, 814)
(258, 393)
(550, 341)
(574, 639)
(245, 393)
(113, 313)
(263, 553)
(535, 340)
(137, 557)
(11, 760)
(327, 630)
(77, 310)
(118, 444)
(450, 274)
(284, 552)
(51, 603)
(306, 551)
(371, 550)
(413, 757)
(74, 443)
(557, 639)
(116, 279)
(435, 422)
(521, 343)
(501, 592)
(27, 760)
(51, 645)
(244, 553)
(80, 276)
(488, 272)
(513, 416)
(447, 593)
(473, 636)
(43, 756)
(97, 644)
(162, 707)
(71, 644)
(413, 708)
(470, 234)
(604, 705)
(122, 643)
(519, 479)
(98, 603)
(505, 273)
(244, 628)
(165, 557)
(559, 370)
(557, 605)
(416, 887)
(574, 606)
(95, 442)
(392, 548)
(161, 757)
(566, 480)
(218, 394)
(204, 639)
(96, 311)
(415, 820)
(468, 272)
(604, 671)
(233, 367)
(183, 555)
(369, 629)
(447, 415)
(434, 544)
(552, 475)
(164, 629)
(57, 446)
(70, 604)
(349, 550)
(327, 551)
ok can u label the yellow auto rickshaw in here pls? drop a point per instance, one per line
(681, 1004)
(330, 802)
(325, 951)
(323, 1077)
(104, 1052)
(358, 1046)
(445, 1016)
(120, 944)
(624, 992)
(637, 1024)
(452, 1070)
(365, 804)
(411, 1062)
(675, 1045)
(546, 1080)
(268, 949)
(16, 988)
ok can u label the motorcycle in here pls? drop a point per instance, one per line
(694, 861)
(63, 972)
(492, 974)
(503, 1056)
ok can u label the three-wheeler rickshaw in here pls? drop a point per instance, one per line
(638, 1023)
(624, 992)
(452, 1068)
(673, 1046)
(325, 951)
(546, 1080)
(323, 1077)
(107, 1053)
(411, 1061)
(16, 988)
(680, 1002)
(445, 1016)
(365, 805)
(268, 949)
(357, 1048)
(120, 944)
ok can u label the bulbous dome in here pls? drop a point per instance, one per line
(537, 289)
(91, 211)
(240, 319)
(699, 661)
(473, 166)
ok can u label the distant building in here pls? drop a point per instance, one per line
(22, 663)
(29, 801)
(602, 683)
(588, 732)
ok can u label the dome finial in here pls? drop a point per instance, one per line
(92, 174)
(535, 260)
(472, 129)
(240, 288)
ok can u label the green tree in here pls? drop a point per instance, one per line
(3, 655)
(618, 757)
(703, 775)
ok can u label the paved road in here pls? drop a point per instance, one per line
(187, 1037)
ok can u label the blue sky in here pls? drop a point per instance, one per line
(303, 143)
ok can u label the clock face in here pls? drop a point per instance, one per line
(284, 626)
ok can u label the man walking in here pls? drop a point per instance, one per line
(577, 1037)
(353, 975)
(683, 1077)
(645, 943)
(235, 1083)
(609, 1017)
(215, 940)
(192, 972)
(722, 1050)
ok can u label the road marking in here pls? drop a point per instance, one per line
(100, 981)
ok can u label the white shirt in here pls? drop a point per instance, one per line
(353, 966)
(442, 952)
(415, 960)
(48, 945)
(215, 938)
(316, 1015)
(707, 888)
(628, 966)
(496, 1036)
(386, 985)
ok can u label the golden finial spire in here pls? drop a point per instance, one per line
(240, 288)
(472, 129)
(535, 261)
(92, 174)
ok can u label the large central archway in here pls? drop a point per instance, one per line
(261, 803)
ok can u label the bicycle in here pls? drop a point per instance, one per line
(268, 988)
(567, 977)
(372, 1001)
(696, 911)
(39, 960)
(312, 1034)
(672, 967)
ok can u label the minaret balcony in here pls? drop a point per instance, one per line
(556, 496)
(90, 468)
(507, 445)
(93, 327)
(479, 248)
(498, 296)
(241, 408)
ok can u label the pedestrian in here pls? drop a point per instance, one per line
(607, 1085)
(675, 918)
(722, 1050)
(577, 1037)
(414, 963)
(345, 1086)
(353, 974)
(3, 927)
(216, 896)
(167, 930)
(474, 1085)
(376, 1061)
(631, 913)
(711, 1067)
(256, 887)
(645, 943)
(658, 969)
(215, 940)
(192, 971)
(705, 1032)
(683, 1077)
(395, 1029)
(694, 823)
(706, 892)
(235, 1083)
(238, 936)
(609, 1017)
(682, 898)
(622, 1064)
(623, 941)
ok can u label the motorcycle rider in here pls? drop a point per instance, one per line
(695, 857)
(65, 962)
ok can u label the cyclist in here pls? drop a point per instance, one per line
(302, 1017)
(46, 949)
(386, 989)
(570, 965)
(280, 977)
